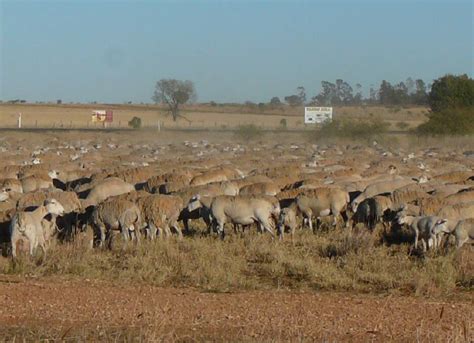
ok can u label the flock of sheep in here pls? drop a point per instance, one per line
(143, 191)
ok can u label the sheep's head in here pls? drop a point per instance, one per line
(54, 207)
(194, 203)
(53, 174)
(441, 226)
(4, 194)
(354, 205)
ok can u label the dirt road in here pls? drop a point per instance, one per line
(96, 310)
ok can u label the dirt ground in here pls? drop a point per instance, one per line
(52, 308)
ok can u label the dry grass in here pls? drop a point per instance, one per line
(199, 116)
(331, 260)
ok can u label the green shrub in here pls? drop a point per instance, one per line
(402, 125)
(349, 128)
(135, 123)
(249, 132)
(449, 122)
(451, 91)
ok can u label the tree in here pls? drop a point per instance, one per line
(386, 93)
(301, 94)
(450, 92)
(358, 95)
(420, 97)
(343, 92)
(297, 99)
(275, 101)
(452, 106)
(174, 93)
(293, 100)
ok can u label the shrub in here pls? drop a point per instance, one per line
(135, 123)
(249, 132)
(354, 129)
(451, 122)
(451, 91)
(402, 125)
(283, 123)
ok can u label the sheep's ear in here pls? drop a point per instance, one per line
(441, 221)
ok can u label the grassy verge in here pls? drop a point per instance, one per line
(331, 260)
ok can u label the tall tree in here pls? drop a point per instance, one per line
(174, 93)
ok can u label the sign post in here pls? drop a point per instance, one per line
(19, 120)
(317, 115)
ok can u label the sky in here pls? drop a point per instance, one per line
(234, 51)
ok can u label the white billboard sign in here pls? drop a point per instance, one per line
(317, 115)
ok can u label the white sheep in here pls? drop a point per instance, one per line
(29, 225)
(423, 228)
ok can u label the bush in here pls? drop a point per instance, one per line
(354, 129)
(450, 91)
(402, 125)
(283, 123)
(449, 122)
(135, 123)
(249, 132)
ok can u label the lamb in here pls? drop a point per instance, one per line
(116, 214)
(29, 225)
(161, 212)
(423, 227)
(287, 221)
(463, 231)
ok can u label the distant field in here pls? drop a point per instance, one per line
(198, 116)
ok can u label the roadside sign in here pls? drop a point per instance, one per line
(317, 115)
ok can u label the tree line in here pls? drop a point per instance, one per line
(340, 92)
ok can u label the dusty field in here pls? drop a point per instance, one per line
(91, 310)
(78, 116)
(331, 285)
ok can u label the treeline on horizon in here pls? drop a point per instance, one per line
(341, 93)
(338, 93)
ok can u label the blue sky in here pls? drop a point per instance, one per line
(115, 51)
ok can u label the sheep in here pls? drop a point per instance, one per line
(106, 188)
(287, 220)
(454, 176)
(116, 214)
(134, 175)
(434, 204)
(263, 188)
(463, 231)
(29, 225)
(161, 212)
(216, 175)
(321, 202)
(12, 184)
(380, 187)
(69, 200)
(457, 212)
(423, 227)
(244, 210)
(32, 183)
(177, 180)
(407, 194)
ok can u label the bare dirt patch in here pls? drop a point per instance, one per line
(57, 308)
